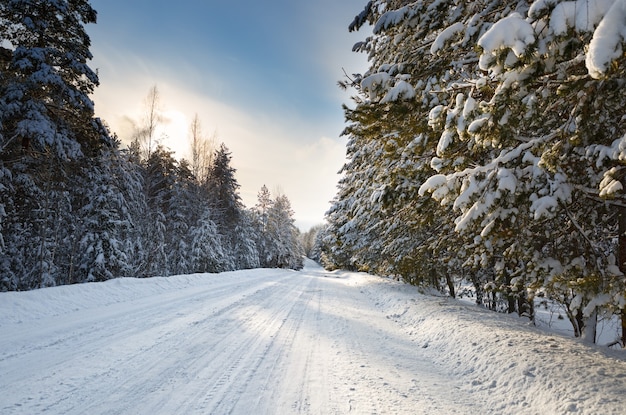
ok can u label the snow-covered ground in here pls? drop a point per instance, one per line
(285, 342)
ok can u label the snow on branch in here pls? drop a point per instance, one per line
(401, 89)
(512, 32)
(361, 18)
(476, 181)
(383, 81)
(606, 44)
(605, 18)
(370, 83)
(445, 36)
(433, 183)
(609, 186)
(581, 15)
(395, 17)
(616, 151)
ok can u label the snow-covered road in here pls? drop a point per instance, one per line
(249, 342)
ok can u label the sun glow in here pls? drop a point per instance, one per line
(273, 150)
(174, 132)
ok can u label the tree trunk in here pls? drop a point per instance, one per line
(621, 256)
(450, 283)
(525, 306)
(576, 319)
(623, 328)
(588, 334)
(510, 295)
(477, 287)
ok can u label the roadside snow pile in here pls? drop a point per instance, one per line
(56, 301)
(509, 365)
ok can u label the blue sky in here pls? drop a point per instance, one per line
(262, 77)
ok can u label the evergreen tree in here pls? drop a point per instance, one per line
(287, 251)
(308, 241)
(503, 113)
(44, 100)
(278, 240)
(261, 213)
(129, 177)
(207, 253)
(179, 218)
(244, 251)
(104, 223)
(225, 202)
(47, 130)
(160, 179)
(224, 190)
(38, 224)
(533, 148)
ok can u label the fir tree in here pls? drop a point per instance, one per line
(224, 189)
(509, 127)
(44, 100)
(225, 202)
(207, 253)
(105, 221)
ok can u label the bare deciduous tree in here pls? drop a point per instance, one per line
(202, 150)
(145, 134)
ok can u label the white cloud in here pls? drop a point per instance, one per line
(277, 115)
(288, 153)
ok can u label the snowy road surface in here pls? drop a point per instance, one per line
(280, 342)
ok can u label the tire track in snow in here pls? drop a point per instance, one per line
(206, 356)
(59, 331)
(263, 322)
(293, 369)
(129, 332)
(282, 342)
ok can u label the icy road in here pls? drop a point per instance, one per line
(258, 342)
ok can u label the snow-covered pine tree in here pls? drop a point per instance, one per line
(160, 179)
(284, 235)
(525, 132)
(128, 176)
(180, 216)
(224, 189)
(391, 125)
(317, 253)
(308, 241)
(47, 129)
(546, 125)
(225, 202)
(44, 100)
(100, 252)
(207, 253)
(244, 250)
(260, 214)
(277, 238)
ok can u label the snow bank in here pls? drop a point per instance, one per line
(508, 364)
(56, 301)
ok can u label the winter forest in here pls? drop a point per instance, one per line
(486, 154)
(78, 206)
(485, 157)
